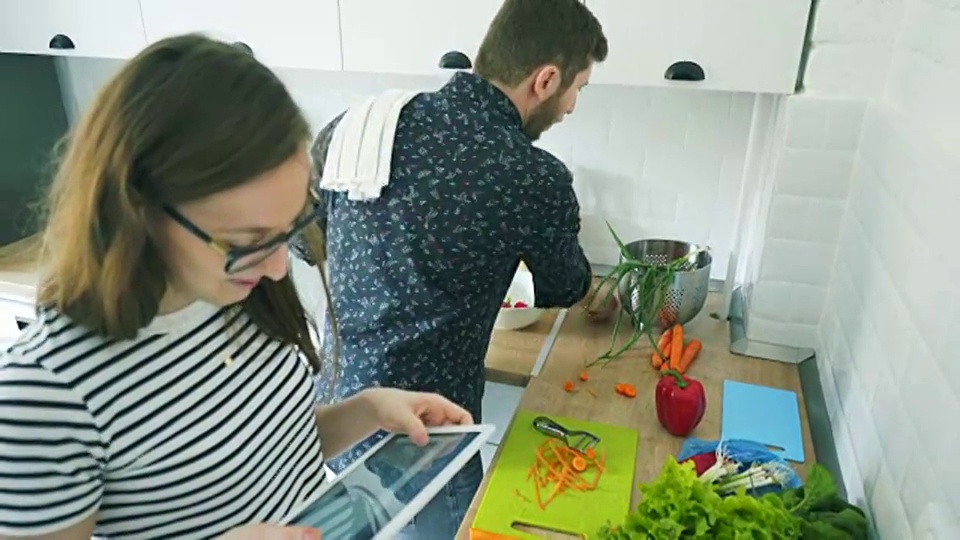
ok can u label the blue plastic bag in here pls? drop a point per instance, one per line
(744, 452)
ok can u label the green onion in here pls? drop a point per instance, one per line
(650, 289)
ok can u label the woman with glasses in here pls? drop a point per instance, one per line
(165, 390)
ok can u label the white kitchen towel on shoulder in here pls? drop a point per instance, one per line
(358, 161)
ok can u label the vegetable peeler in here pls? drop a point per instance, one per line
(581, 441)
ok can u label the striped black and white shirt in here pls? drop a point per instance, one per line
(200, 424)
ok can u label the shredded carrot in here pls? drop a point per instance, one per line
(591, 392)
(559, 469)
(521, 495)
(568, 386)
(584, 376)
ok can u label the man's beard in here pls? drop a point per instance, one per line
(542, 117)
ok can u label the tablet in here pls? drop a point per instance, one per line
(379, 493)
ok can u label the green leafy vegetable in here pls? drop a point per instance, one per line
(822, 513)
(678, 505)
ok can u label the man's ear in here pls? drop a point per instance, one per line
(546, 82)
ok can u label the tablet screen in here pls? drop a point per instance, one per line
(365, 498)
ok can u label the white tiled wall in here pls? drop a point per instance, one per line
(811, 170)
(849, 55)
(886, 274)
(891, 376)
(653, 162)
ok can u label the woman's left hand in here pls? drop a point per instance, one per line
(401, 411)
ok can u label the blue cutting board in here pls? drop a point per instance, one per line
(770, 416)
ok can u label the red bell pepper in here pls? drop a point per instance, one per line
(681, 402)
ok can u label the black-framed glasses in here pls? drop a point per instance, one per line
(240, 258)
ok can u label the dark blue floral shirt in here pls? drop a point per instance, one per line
(418, 275)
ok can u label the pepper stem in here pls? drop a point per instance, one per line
(676, 375)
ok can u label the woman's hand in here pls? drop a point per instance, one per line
(265, 531)
(411, 413)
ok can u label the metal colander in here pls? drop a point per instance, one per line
(686, 293)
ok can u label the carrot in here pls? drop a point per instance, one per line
(590, 453)
(568, 386)
(578, 464)
(656, 360)
(626, 390)
(676, 345)
(690, 353)
(584, 376)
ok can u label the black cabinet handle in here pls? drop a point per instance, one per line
(61, 41)
(243, 47)
(455, 60)
(684, 70)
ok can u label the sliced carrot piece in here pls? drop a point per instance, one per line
(584, 376)
(568, 386)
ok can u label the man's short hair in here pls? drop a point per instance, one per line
(527, 34)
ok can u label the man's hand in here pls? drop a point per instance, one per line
(603, 305)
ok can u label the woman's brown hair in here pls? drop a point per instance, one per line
(186, 118)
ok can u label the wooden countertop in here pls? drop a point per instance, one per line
(513, 353)
(581, 340)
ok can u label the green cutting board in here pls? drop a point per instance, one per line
(576, 513)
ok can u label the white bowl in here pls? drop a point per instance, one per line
(521, 290)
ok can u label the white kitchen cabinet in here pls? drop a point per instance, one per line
(301, 34)
(410, 36)
(97, 28)
(741, 45)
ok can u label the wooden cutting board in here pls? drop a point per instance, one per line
(579, 514)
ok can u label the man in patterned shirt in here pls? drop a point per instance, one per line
(418, 274)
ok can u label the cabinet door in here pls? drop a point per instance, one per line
(280, 33)
(410, 36)
(741, 45)
(97, 28)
